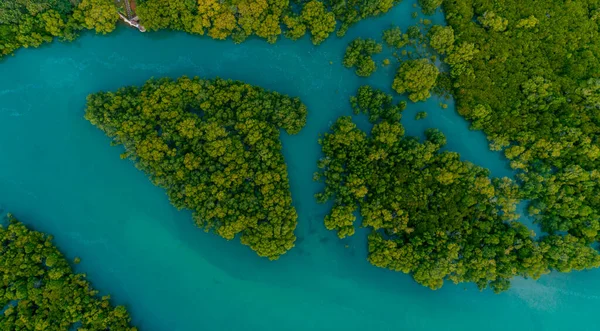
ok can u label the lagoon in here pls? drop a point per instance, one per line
(60, 175)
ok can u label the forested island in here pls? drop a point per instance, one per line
(358, 54)
(431, 214)
(214, 146)
(39, 290)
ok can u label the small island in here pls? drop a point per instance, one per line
(431, 214)
(359, 54)
(214, 146)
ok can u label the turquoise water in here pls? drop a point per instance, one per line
(59, 174)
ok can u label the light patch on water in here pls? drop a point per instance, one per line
(535, 294)
(11, 112)
(20, 89)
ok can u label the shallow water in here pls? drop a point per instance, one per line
(59, 175)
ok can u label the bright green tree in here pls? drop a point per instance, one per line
(393, 37)
(416, 77)
(441, 38)
(318, 21)
(430, 6)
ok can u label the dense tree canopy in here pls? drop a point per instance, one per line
(39, 291)
(29, 23)
(527, 73)
(393, 37)
(349, 12)
(218, 19)
(263, 18)
(359, 54)
(416, 77)
(441, 38)
(214, 146)
(318, 21)
(417, 73)
(430, 6)
(376, 104)
(431, 214)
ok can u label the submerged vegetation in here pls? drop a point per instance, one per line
(359, 54)
(431, 214)
(421, 115)
(39, 291)
(214, 146)
(393, 37)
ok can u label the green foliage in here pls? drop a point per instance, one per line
(377, 105)
(393, 37)
(218, 19)
(214, 146)
(100, 15)
(527, 73)
(358, 54)
(430, 6)
(416, 77)
(176, 15)
(318, 21)
(263, 18)
(490, 20)
(421, 115)
(40, 291)
(34, 22)
(418, 74)
(431, 214)
(239, 19)
(349, 12)
(295, 27)
(414, 32)
(29, 23)
(441, 38)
